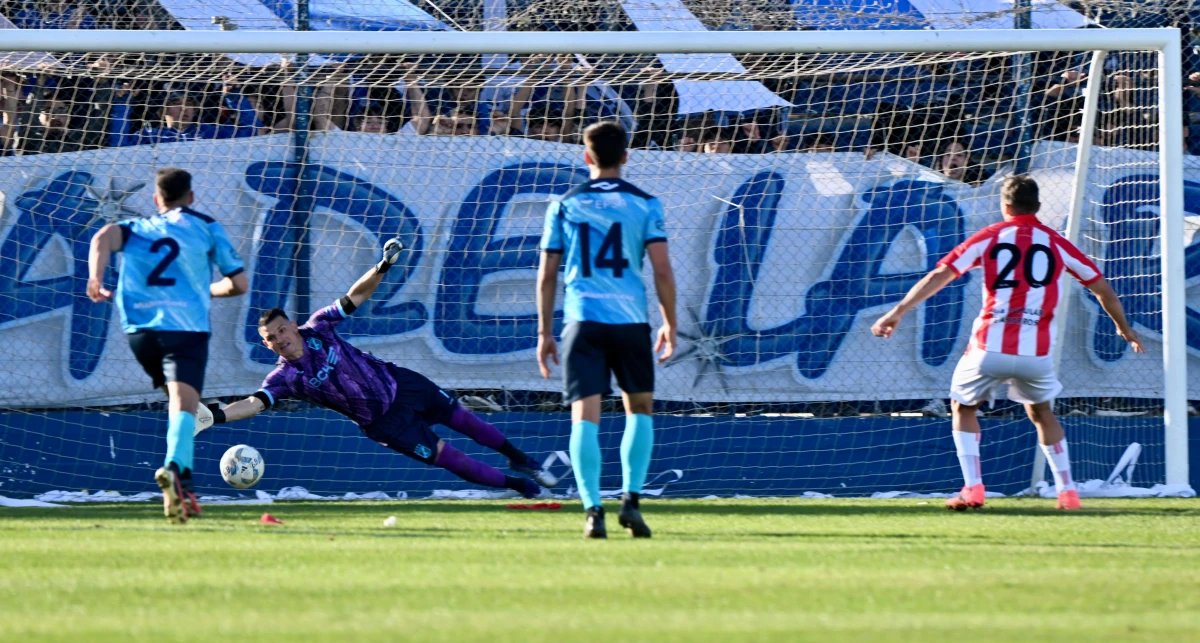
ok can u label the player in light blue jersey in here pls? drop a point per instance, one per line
(163, 294)
(603, 228)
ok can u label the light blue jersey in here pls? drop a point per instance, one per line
(167, 269)
(603, 228)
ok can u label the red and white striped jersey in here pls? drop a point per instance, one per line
(1023, 263)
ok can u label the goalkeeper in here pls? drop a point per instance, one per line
(392, 405)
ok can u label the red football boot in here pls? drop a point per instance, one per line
(1068, 501)
(968, 498)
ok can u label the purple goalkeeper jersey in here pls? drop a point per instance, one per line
(333, 373)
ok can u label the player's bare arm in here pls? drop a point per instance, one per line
(107, 241)
(369, 282)
(547, 287)
(664, 285)
(929, 286)
(238, 284)
(1112, 305)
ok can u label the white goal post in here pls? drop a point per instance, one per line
(1166, 42)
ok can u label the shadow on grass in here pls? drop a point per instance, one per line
(799, 509)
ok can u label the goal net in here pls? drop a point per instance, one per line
(804, 193)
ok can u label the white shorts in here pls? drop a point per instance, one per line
(980, 374)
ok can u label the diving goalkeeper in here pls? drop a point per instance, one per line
(392, 405)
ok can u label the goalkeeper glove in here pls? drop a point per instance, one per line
(391, 252)
(208, 415)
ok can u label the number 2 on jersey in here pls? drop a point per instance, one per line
(155, 277)
(610, 255)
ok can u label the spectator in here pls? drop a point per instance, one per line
(1131, 118)
(501, 124)
(686, 138)
(783, 139)
(1061, 102)
(459, 122)
(374, 120)
(54, 14)
(180, 120)
(717, 140)
(900, 133)
(45, 124)
(654, 111)
(538, 101)
(546, 123)
(416, 103)
(330, 107)
(954, 162)
(822, 143)
(748, 137)
(913, 150)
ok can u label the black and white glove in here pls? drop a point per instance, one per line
(391, 252)
(208, 415)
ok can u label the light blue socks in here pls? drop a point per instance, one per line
(636, 446)
(179, 440)
(585, 460)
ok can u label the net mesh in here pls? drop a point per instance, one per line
(804, 194)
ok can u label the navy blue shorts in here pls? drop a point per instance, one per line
(419, 405)
(171, 356)
(594, 352)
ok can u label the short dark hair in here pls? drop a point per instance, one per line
(270, 316)
(1021, 192)
(179, 98)
(172, 184)
(717, 134)
(955, 140)
(606, 142)
(543, 113)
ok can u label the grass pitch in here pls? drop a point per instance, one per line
(716, 570)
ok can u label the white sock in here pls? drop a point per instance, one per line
(1060, 464)
(967, 445)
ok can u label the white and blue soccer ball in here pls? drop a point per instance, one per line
(242, 466)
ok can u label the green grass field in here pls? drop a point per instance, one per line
(779, 570)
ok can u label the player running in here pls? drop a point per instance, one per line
(164, 296)
(604, 226)
(1012, 340)
(392, 405)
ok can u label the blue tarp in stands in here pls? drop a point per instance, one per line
(929, 14)
(344, 15)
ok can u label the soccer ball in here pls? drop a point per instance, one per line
(242, 466)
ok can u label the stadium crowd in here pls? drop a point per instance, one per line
(958, 118)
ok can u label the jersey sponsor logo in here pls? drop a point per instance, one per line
(331, 360)
(161, 303)
(605, 185)
(604, 295)
(321, 376)
(607, 202)
(314, 343)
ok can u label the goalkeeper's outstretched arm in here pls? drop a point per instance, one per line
(366, 284)
(208, 415)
